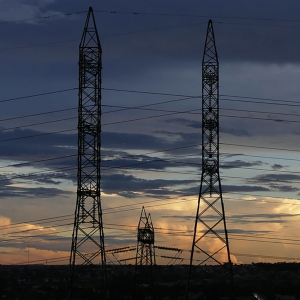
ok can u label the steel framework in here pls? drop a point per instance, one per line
(210, 241)
(88, 237)
(145, 258)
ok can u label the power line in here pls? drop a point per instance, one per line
(157, 229)
(73, 155)
(20, 224)
(149, 153)
(260, 147)
(186, 195)
(44, 17)
(129, 166)
(194, 15)
(173, 160)
(66, 258)
(40, 123)
(38, 95)
(152, 117)
(142, 107)
(104, 36)
(37, 161)
(37, 135)
(38, 45)
(63, 217)
(264, 239)
(142, 163)
(38, 114)
(33, 229)
(199, 96)
(186, 97)
(184, 232)
(136, 13)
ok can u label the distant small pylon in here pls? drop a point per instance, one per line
(145, 258)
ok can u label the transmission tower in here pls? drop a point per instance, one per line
(145, 258)
(88, 251)
(210, 241)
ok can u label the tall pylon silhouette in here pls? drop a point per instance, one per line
(210, 241)
(145, 259)
(87, 258)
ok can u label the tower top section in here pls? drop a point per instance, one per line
(145, 228)
(210, 55)
(90, 37)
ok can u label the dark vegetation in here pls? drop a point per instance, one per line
(50, 282)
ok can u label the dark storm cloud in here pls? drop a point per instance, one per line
(58, 163)
(277, 167)
(6, 179)
(240, 42)
(283, 188)
(125, 240)
(148, 52)
(235, 131)
(55, 242)
(231, 189)
(151, 49)
(240, 164)
(51, 242)
(118, 142)
(29, 144)
(263, 218)
(184, 143)
(245, 219)
(40, 192)
(230, 155)
(130, 186)
(148, 163)
(144, 164)
(241, 231)
(273, 178)
(40, 177)
(243, 188)
(183, 217)
(237, 39)
(186, 122)
(49, 179)
(38, 149)
(32, 143)
(128, 141)
(198, 125)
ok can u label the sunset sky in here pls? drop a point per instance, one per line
(151, 123)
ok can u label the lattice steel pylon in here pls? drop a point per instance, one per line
(210, 241)
(88, 237)
(145, 259)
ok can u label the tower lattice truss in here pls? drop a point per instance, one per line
(88, 237)
(210, 242)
